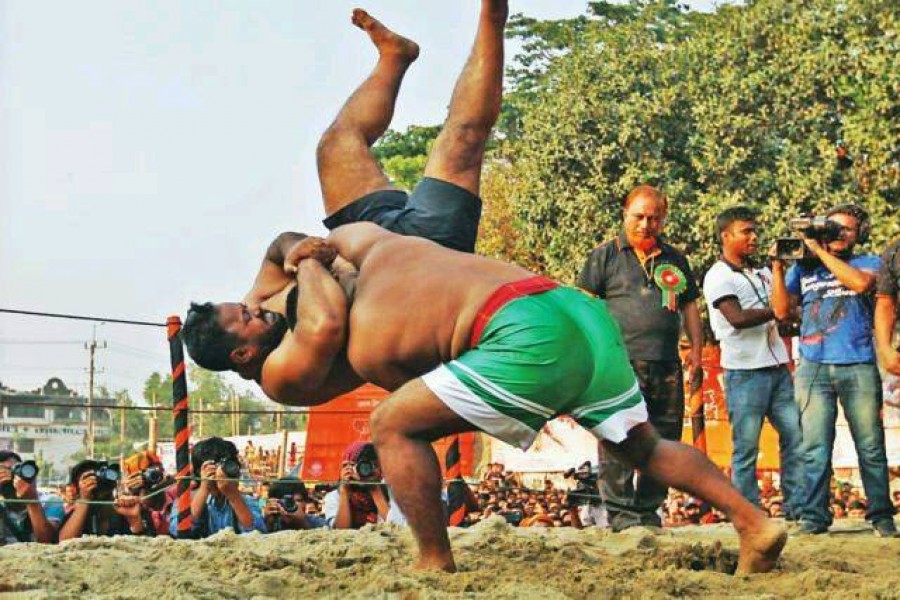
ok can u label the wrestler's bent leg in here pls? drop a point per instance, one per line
(347, 168)
(403, 427)
(458, 152)
(680, 466)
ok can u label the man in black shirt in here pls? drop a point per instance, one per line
(650, 289)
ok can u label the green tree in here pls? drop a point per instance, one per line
(762, 105)
(403, 154)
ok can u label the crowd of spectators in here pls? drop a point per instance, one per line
(140, 500)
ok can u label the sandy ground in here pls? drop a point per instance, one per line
(496, 561)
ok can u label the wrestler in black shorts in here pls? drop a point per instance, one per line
(438, 210)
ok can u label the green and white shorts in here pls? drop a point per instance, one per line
(539, 351)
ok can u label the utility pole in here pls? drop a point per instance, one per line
(200, 418)
(153, 433)
(92, 347)
(122, 436)
(235, 418)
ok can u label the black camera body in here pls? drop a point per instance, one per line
(586, 490)
(821, 229)
(152, 476)
(289, 504)
(26, 470)
(365, 468)
(108, 476)
(230, 467)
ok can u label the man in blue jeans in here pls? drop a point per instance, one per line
(757, 380)
(834, 288)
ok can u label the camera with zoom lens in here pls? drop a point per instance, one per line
(108, 476)
(152, 476)
(365, 468)
(27, 471)
(821, 229)
(289, 504)
(230, 467)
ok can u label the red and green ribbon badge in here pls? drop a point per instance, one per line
(672, 282)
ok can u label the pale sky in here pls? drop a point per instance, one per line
(151, 150)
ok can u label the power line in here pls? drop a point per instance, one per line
(39, 342)
(212, 411)
(80, 317)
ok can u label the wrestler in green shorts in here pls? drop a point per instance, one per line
(539, 356)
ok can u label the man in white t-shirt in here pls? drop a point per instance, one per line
(758, 384)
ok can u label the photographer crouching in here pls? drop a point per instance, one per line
(286, 507)
(361, 498)
(97, 481)
(145, 478)
(21, 522)
(217, 502)
(584, 503)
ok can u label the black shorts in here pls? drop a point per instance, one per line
(436, 210)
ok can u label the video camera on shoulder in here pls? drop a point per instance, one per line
(583, 474)
(585, 487)
(821, 229)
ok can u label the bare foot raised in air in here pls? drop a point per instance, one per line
(387, 42)
(760, 550)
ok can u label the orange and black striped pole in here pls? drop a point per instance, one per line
(456, 487)
(182, 430)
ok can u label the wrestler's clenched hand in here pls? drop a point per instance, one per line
(311, 247)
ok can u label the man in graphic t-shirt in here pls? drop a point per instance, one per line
(834, 289)
(758, 383)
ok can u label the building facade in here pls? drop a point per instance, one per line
(49, 425)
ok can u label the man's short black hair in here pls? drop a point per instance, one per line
(80, 468)
(288, 486)
(214, 449)
(5, 455)
(735, 213)
(207, 343)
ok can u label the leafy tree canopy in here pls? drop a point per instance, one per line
(788, 107)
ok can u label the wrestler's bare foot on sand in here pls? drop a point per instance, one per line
(447, 565)
(760, 550)
(387, 42)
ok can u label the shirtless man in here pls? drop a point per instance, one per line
(445, 206)
(468, 343)
(432, 325)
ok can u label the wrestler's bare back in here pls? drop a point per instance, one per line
(415, 301)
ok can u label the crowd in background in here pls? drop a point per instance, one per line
(829, 293)
(141, 500)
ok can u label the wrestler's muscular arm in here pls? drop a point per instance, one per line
(355, 241)
(272, 277)
(299, 371)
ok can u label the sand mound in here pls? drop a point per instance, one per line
(496, 561)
